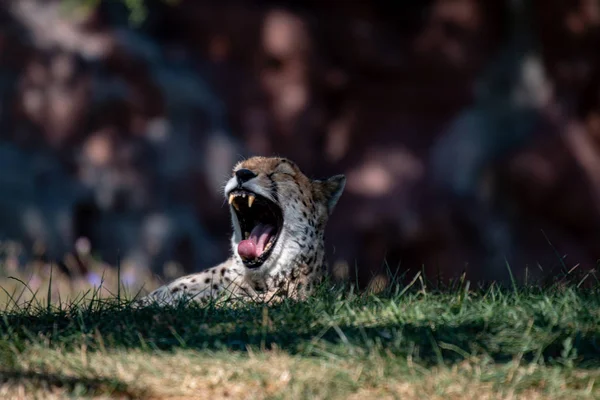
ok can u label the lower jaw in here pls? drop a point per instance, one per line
(250, 266)
(253, 268)
(258, 267)
(261, 264)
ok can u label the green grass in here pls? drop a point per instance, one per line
(404, 343)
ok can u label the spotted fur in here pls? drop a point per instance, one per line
(297, 260)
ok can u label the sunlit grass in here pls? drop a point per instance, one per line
(43, 283)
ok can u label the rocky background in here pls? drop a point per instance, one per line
(469, 130)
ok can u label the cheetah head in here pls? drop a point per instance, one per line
(278, 214)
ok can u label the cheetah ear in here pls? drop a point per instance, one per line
(329, 190)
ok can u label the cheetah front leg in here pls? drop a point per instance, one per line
(221, 280)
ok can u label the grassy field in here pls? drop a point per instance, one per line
(406, 343)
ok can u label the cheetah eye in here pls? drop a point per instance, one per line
(281, 173)
(285, 169)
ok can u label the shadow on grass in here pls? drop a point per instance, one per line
(309, 329)
(77, 386)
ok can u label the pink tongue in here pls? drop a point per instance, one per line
(254, 246)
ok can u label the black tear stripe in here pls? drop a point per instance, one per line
(274, 191)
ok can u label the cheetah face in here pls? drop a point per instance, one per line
(273, 208)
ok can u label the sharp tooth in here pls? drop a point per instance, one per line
(250, 200)
(246, 235)
(236, 205)
(231, 197)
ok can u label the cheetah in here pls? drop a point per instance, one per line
(278, 217)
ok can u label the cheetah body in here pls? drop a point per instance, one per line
(295, 259)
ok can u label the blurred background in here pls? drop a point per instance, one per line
(469, 131)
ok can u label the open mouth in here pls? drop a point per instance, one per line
(260, 222)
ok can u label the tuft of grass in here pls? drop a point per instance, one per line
(403, 342)
(40, 283)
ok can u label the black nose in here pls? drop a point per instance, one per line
(244, 175)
